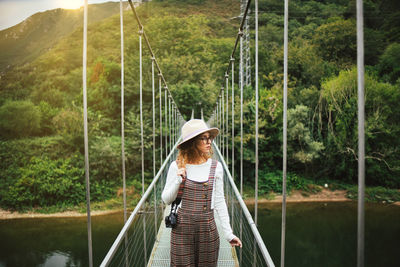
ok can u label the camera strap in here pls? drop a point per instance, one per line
(178, 199)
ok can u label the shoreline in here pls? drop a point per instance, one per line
(7, 215)
(295, 197)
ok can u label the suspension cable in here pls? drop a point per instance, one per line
(241, 112)
(285, 81)
(85, 130)
(166, 121)
(233, 117)
(227, 117)
(223, 122)
(256, 145)
(161, 135)
(122, 110)
(154, 114)
(361, 135)
(141, 105)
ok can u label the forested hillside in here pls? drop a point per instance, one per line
(36, 35)
(41, 143)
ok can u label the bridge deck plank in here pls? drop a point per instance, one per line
(160, 254)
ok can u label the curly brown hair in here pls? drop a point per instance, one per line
(190, 154)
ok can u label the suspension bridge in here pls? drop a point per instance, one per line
(144, 240)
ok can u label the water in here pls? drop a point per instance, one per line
(318, 234)
(325, 234)
(56, 241)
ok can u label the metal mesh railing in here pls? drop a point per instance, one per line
(134, 243)
(254, 251)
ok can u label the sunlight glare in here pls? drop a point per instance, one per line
(71, 4)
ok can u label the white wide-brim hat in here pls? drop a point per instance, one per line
(195, 127)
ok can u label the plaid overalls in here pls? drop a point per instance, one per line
(195, 240)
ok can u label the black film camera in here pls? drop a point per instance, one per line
(172, 219)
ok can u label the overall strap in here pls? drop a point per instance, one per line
(211, 176)
(180, 192)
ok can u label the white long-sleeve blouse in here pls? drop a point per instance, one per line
(199, 173)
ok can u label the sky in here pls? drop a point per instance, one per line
(13, 12)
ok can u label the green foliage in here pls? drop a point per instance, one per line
(192, 41)
(376, 194)
(337, 41)
(302, 147)
(272, 181)
(389, 63)
(19, 119)
(339, 108)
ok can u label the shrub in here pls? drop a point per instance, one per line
(19, 119)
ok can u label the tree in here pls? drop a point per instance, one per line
(389, 63)
(19, 119)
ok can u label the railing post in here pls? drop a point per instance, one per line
(285, 80)
(85, 131)
(361, 134)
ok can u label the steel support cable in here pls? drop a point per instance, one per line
(241, 113)
(121, 15)
(220, 121)
(154, 135)
(233, 117)
(141, 129)
(161, 135)
(361, 134)
(147, 42)
(169, 122)
(241, 130)
(122, 110)
(285, 81)
(166, 121)
(223, 121)
(256, 128)
(238, 36)
(85, 131)
(256, 82)
(154, 114)
(240, 33)
(227, 117)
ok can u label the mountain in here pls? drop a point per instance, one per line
(37, 34)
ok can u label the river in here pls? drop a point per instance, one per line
(317, 234)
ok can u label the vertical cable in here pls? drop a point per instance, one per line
(154, 140)
(233, 118)
(361, 134)
(285, 80)
(85, 126)
(161, 135)
(223, 121)
(227, 117)
(122, 110)
(169, 122)
(256, 130)
(141, 135)
(141, 105)
(241, 113)
(123, 126)
(154, 115)
(166, 121)
(256, 80)
(217, 119)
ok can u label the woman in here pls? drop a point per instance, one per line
(195, 239)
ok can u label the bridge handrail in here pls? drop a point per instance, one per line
(247, 214)
(107, 259)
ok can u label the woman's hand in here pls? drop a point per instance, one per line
(236, 242)
(182, 172)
